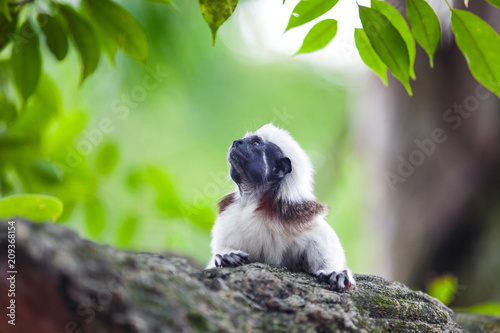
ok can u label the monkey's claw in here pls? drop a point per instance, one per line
(337, 281)
(233, 259)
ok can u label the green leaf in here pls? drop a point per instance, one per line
(167, 200)
(7, 109)
(95, 217)
(369, 56)
(443, 288)
(388, 43)
(308, 10)
(494, 2)
(84, 39)
(393, 15)
(487, 308)
(319, 36)
(216, 12)
(107, 158)
(201, 216)
(480, 45)
(55, 37)
(26, 60)
(126, 230)
(46, 171)
(120, 26)
(32, 207)
(167, 2)
(4, 9)
(41, 108)
(425, 26)
(63, 134)
(7, 28)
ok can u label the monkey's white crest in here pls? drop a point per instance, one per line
(297, 185)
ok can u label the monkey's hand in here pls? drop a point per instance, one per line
(232, 259)
(337, 281)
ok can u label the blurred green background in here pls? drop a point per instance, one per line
(137, 153)
(150, 177)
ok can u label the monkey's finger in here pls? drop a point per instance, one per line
(322, 277)
(347, 283)
(236, 259)
(218, 260)
(245, 258)
(340, 282)
(347, 280)
(332, 280)
(227, 261)
(233, 260)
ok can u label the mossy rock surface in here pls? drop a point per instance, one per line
(67, 284)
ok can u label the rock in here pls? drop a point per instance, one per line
(68, 284)
(477, 323)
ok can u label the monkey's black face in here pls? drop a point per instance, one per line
(257, 165)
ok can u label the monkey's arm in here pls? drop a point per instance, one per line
(325, 257)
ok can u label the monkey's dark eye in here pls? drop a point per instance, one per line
(255, 142)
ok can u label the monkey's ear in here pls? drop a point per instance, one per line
(283, 166)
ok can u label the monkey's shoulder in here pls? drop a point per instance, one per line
(226, 201)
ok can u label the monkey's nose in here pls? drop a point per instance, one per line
(237, 143)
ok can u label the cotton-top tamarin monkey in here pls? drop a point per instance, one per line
(273, 216)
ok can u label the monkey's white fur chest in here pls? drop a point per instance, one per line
(241, 228)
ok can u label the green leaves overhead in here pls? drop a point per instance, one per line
(84, 39)
(388, 43)
(308, 10)
(26, 60)
(54, 35)
(4, 9)
(400, 24)
(425, 26)
(33, 207)
(480, 45)
(216, 12)
(369, 56)
(319, 36)
(120, 26)
(7, 28)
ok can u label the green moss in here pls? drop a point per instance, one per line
(198, 322)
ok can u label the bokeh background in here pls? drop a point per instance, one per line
(137, 153)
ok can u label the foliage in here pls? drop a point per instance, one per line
(392, 43)
(34, 207)
(319, 36)
(488, 308)
(443, 288)
(38, 146)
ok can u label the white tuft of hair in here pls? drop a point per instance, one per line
(298, 184)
